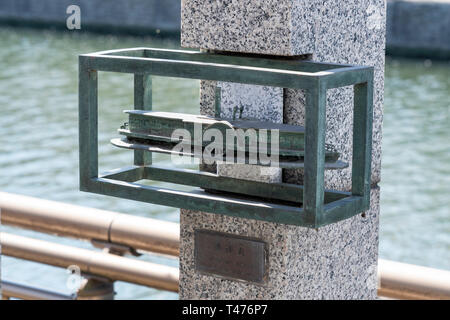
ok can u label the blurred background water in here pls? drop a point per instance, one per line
(39, 145)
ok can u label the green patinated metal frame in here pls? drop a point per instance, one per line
(320, 207)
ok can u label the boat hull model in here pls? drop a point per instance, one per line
(219, 140)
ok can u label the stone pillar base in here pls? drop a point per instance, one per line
(338, 261)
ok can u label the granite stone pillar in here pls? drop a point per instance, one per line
(337, 261)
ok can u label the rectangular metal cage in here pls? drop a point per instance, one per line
(309, 205)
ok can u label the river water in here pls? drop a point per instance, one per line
(39, 146)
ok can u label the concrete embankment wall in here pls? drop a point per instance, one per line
(114, 16)
(418, 28)
(414, 27)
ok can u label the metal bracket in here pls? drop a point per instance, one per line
(312, 77)
(114, 248)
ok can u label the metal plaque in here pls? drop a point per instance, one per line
(230, 256)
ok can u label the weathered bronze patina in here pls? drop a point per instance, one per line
(308, 205)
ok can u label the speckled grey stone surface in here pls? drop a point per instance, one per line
(250, 172)
(259, 102)
(337, 261)
(333, 262)
(352, 32)
(240, 26)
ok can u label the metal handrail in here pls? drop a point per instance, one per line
(19, 291)
(397, 280)
(91, 224)
(102, 264)
(410, 282)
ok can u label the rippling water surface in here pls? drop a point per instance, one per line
(39, 145)
(415, 188)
